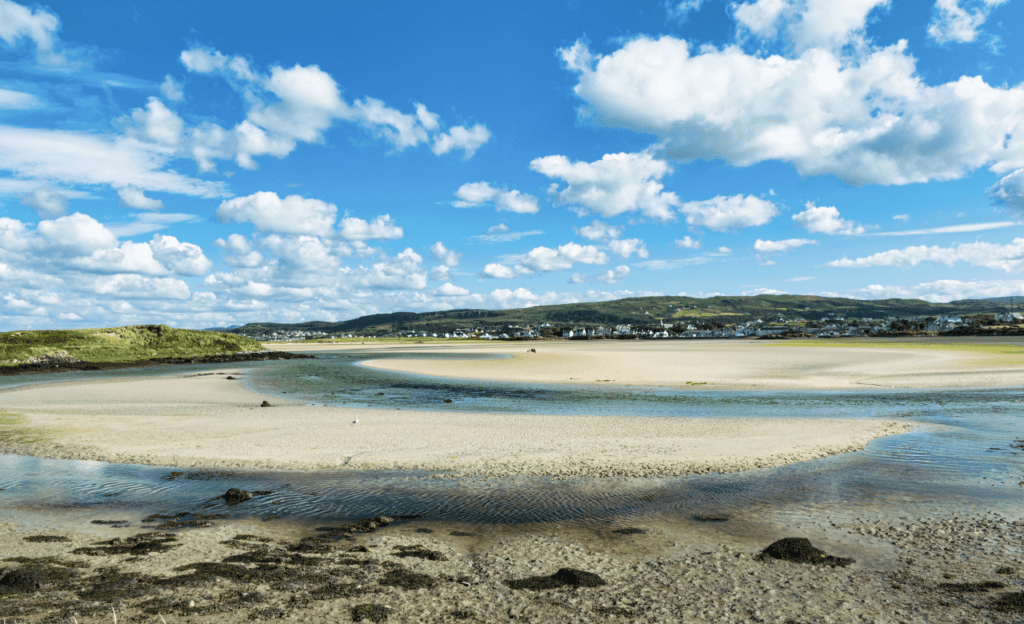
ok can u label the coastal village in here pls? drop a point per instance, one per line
(830, 325)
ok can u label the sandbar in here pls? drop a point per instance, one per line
(207, 420)
(722, 364)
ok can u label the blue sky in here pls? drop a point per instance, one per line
(208, 164)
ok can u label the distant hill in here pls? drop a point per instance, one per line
(642, 311)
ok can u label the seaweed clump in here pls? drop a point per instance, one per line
(800, 550)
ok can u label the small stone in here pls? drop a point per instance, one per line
(235, 496)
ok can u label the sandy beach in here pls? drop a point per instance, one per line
(914, 570)
(208, 420)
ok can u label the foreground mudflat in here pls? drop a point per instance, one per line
(212, 420)
(942, 570)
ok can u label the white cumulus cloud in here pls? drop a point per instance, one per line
(627, 247)
(498, 271)
(446, 257)
(1009, 191)
(954, 23)
(381, 228)
(46, 202)
(687, 243)
(826, 219)
(613, 276)
(269, 213)
(616, 184)
(469, 140)
(599, 230)
(479, 193)
(727, 213)
(133, 197)
(766, 246)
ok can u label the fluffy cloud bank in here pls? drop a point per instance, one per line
(865, 117)
(1009, 258)
(298, 104)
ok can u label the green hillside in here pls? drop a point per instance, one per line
(641, 311)
(120, 344)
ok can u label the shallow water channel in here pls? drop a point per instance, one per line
(966, 456)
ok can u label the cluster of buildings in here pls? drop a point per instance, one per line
(830, 326)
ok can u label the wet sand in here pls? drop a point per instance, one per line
(937, 571)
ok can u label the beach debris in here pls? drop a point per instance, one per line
(531, 351)
(565, 576)
(370, 612)
(355, 422)
(710, 518)
(235, 496)
(1009, 603)
(969, 588)
(230, 377)
(447, 400)
(418, 552)
(404, 579)
(800, 550)
(461, 614)
(265, 404)
(141, 544)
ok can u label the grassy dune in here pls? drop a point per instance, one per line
(120, 344)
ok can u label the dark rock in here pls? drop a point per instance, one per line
(47, 538)
(629, 531)
(235, 496)
(230, 377)
(24, 580)
(424, 530)
(971, 587)
(800, 550)
(701, 518)
(578, 578)
(265, 404)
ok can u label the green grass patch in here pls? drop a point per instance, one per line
(14, 431)
(120, 344)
